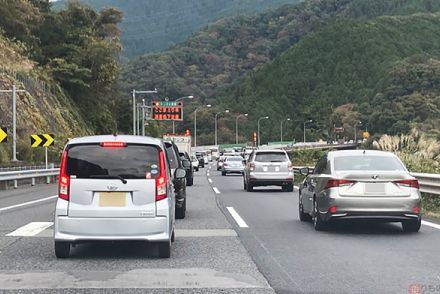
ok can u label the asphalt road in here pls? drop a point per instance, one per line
(350, 258)
(232, 241)
(207, 256)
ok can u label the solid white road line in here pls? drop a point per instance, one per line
(217, 191)
(240, 222)
(28, 203)
(31, 229)
(210, 181)
(432, 225)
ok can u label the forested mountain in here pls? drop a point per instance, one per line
(155, 25)
(382, 72)
(67, 61)
(213, 60)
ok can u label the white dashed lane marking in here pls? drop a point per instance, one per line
(240, 222)
(217, 191)
(31, 229)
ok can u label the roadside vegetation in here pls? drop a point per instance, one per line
(420, 153)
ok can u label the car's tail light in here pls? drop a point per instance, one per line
(332, 209)
(113, 144)
(334, 183)
(64, 181)
(225, 164)
(290, 166)
(161, 181)
(416, 210)
(409, 183)
(251, 166)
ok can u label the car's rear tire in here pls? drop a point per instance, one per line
(288, 188)
(318, 223)
(411, 226)
(223, 173)
(173, 237)
(302, 215)
(249, 187)
(62, 249)
(244, 184)
(190, 182)
(164, 249)
(181, 211)
(197, 169)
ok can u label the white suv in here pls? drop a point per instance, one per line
(115, 188)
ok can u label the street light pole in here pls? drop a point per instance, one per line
(355, 130)
(195, 124)
(14, 92)
(258, 127)
(236, 126)
(215, 125)
(134, 92)
(282, 121)
(179, 99)
(306, 122)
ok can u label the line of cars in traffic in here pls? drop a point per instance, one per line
(344, 185)
(117, 187)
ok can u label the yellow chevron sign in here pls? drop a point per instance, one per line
(43, 140)
(3, 135)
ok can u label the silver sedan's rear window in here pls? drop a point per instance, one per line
(270, 157)
(368, 163)
(130, 162)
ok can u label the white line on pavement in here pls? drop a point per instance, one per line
(240, 222)
(210, 181)
(31, 229)
(432, 225)
(28, 203)
(217, 191)
(296, 187)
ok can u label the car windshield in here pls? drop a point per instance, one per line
(236, 158)
(367, 163)
(270, 157)
(131, 162)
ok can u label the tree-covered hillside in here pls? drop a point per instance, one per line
(382, 72)
(216, 58)
(155, 25)
(67, 61)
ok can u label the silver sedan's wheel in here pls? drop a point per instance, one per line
(318, 223)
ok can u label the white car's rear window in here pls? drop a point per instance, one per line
(271, 157)
(130, 162)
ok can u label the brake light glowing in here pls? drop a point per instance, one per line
(161, 181)
(113, 144)
(334, 183)
(332, 209)
(416, 210)
(409, 183)
(64, 180)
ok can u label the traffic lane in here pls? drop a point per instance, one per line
(346, 259)
(219, 259)
(25, 194)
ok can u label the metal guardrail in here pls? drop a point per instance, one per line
(24, 167)
(429, 183)
(28, 174)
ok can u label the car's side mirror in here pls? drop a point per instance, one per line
(304, 171)
(180, 173)
(186, 164)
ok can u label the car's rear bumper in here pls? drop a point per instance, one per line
(89, 229)
(237, 170)
(379, 208)
(390, 216)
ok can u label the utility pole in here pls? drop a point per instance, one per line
(258, 128)
(14, 92)
(135, 118)
(236, 126)
(282, 121)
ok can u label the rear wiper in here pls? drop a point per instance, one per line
(124, 181)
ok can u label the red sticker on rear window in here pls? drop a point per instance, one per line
(148, 175)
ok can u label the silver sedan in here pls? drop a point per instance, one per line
(362, 184)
